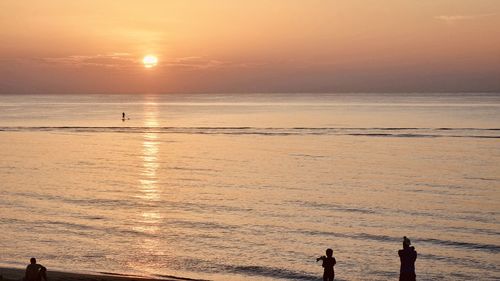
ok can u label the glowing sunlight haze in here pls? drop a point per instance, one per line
(150, 61)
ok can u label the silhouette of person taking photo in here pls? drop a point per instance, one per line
(408, 256)
(328, 263)
(35, 272)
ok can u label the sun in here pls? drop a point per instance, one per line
(150, 61)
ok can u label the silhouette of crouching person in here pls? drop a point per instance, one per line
(408, 256)
(35, 272)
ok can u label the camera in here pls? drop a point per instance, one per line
(320, 258)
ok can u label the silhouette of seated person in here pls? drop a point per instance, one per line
(328, 263)
(35, 272)
(408, 256)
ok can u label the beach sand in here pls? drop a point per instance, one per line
(15, 274)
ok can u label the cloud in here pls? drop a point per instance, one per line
(129, 61)
(113, 60)
(451, 19)
(200, 63)
(194, 62)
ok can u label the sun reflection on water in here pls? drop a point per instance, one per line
(151, 217)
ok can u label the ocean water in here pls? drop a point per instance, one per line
(252, 187)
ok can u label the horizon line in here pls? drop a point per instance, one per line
(259, 92)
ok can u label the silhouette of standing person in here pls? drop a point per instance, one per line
(408, 256)
(328, 263)
(123, 116)
(35, 272)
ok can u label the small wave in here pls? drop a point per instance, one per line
(465, 262)
(371, 134)
(458, 244)
(306, 155)
(333, 207)
(118, 274)
(192, 169)
(271, 272)
(473, 246)
(170, 277)
(478, 137)
(212, 226)
(482, 133)
(481, 179)
(205, 266)
(181, 278)
(384, 238)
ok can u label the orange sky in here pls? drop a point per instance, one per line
(250, 46)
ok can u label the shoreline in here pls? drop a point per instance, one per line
(16, 274)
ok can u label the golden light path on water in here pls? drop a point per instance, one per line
(150, 217)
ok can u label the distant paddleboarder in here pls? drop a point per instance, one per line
(124, 117)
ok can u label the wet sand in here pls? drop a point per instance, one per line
(15, 274)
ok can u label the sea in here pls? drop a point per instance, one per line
(252, 186)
